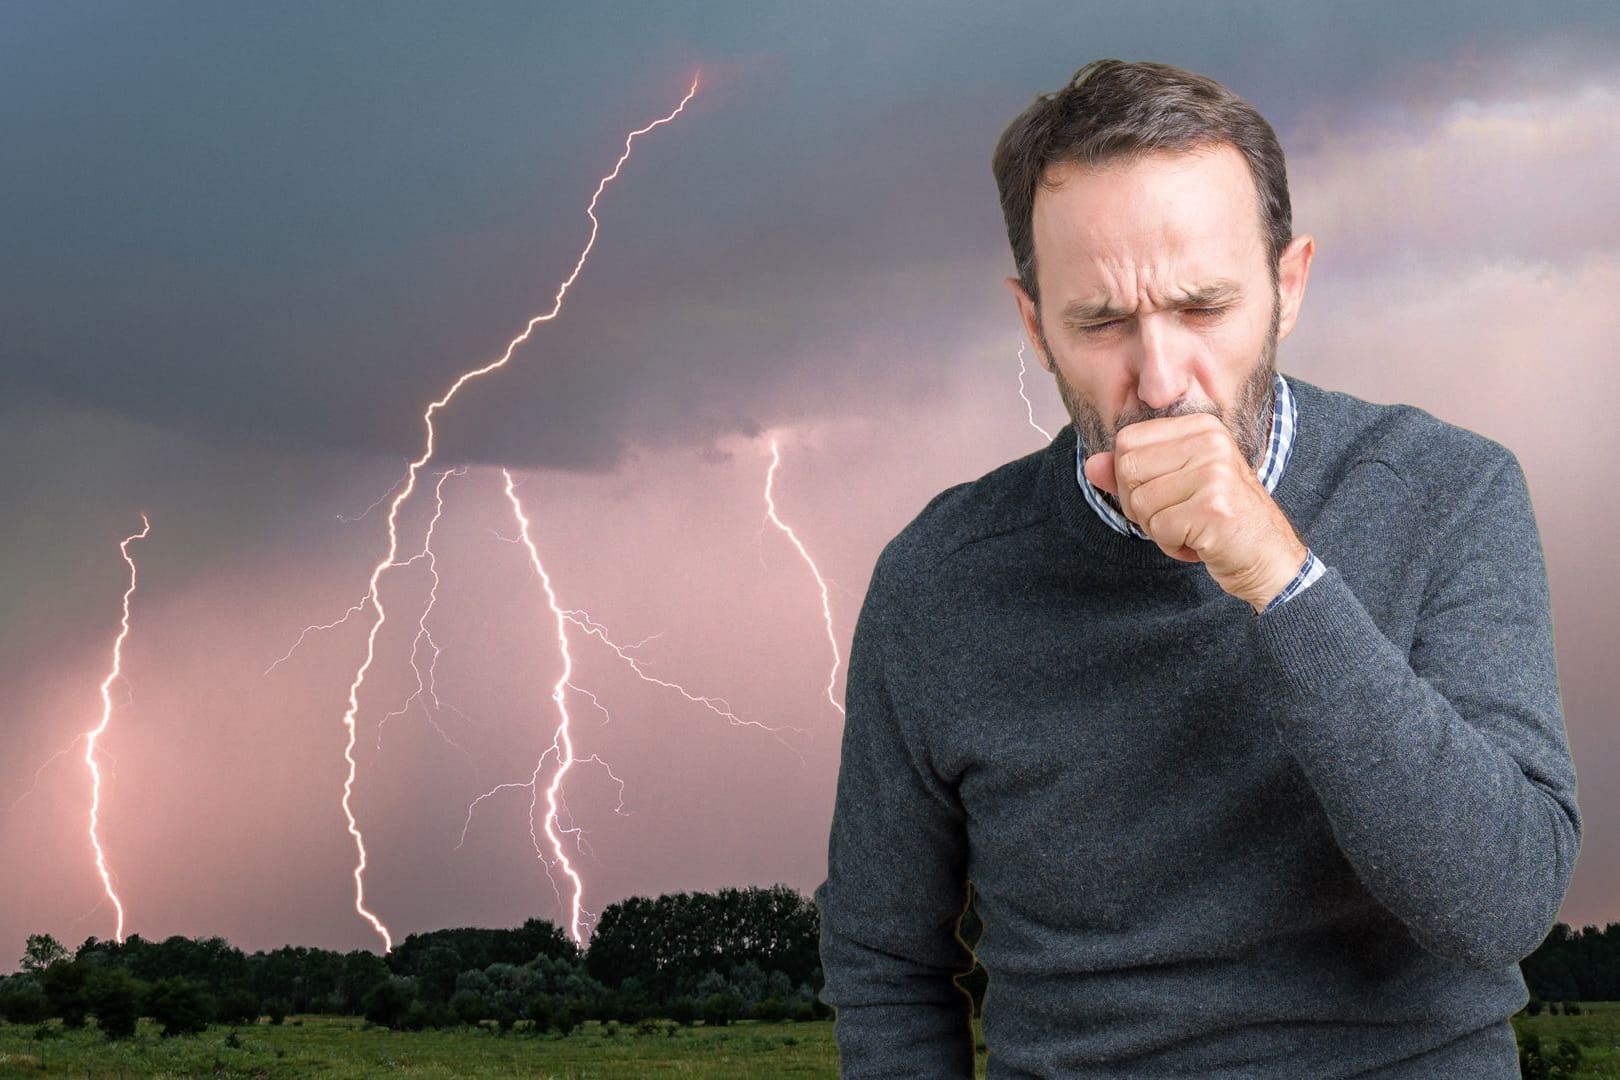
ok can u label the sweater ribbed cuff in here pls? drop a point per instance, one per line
(1322, 636)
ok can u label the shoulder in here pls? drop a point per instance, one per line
(1440, 464)
(1007, 499)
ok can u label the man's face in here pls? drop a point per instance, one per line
(1156, 298)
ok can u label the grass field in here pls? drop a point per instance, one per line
(345, 1048)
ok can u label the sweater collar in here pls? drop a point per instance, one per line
(1279, 446)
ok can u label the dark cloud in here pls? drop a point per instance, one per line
(290, 227)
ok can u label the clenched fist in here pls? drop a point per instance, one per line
(1184, 480)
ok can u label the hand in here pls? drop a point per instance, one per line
(1184, 480)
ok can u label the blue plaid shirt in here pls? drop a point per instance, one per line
(1284, 423)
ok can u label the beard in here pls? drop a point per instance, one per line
(1248, 420)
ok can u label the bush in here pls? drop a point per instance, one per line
(1562, 1064)
(63, 984)
(114, 996)
(182, 1006)
(1533, 1007)
(237, 1005)
(277, 1009)
(540, 1012)
(570, 1016)
(467, 1006)
(24, 1005)
(389, 1002)
(417, 1016)
(718, 1009)
(682, 1010)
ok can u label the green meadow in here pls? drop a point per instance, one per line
(315, 1046)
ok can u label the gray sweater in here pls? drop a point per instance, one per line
(1310, 843)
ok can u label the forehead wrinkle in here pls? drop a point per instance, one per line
(1097, 307)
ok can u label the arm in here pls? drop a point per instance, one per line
(896, 883)
(1447, 778)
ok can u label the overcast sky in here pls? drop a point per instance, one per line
(244, 246)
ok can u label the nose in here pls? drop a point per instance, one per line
(1164, 361)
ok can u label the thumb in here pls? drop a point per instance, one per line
(1100, 471)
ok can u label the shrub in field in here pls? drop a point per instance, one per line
(539, 1012)
(718, 1009)
(682, 1010)
(23, 1002)
(420, 1016)
(1538, 1064)
(467, 1006)
(277, 1009)
(390, 1001)
(1533, 1007)
(63, 983)
(238, 1005)
(183, 1006)
(570, 1016)
(114, 997)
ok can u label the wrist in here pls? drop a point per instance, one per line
(1287, 570)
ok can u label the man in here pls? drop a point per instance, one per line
(1237, 703)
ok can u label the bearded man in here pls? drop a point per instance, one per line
(1237, 704)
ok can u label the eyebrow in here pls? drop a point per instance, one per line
(1079, 312)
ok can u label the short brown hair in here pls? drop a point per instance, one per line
(1113, 110)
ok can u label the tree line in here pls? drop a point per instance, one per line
(716, 957)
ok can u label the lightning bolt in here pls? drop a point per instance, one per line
(373, 595)
(425, 680)
(826, 606)
(95, 733)
(718, 706)
(562, 742)
(1028, 406)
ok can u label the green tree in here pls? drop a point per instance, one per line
(40, 952)
(436, 972)
(361, 971)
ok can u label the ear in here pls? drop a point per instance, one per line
(1293, 270)
(1031, 321)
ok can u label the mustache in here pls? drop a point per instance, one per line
(1178, 409)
